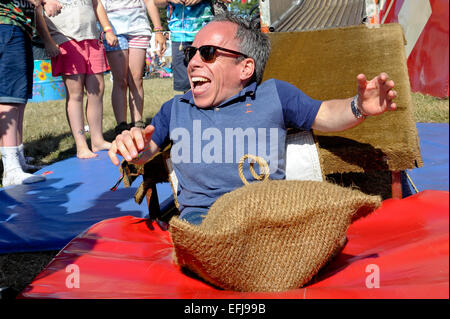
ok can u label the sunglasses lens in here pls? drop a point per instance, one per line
(207, 53)
(189, 53)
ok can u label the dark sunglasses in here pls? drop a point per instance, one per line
(207, 53)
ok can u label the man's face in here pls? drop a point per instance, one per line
(214, 82)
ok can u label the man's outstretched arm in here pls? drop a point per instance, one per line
(374, 98)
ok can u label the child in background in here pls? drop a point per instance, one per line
(81, 62)
(127, 60)
(16, 82)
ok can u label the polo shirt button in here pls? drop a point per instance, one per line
(217, 109)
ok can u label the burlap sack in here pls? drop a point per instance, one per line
(269, 236)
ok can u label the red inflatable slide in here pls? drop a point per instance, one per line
(425, 23)
(398, 251)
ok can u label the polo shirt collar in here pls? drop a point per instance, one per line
(249, 90)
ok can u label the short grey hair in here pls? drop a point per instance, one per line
(252, 42)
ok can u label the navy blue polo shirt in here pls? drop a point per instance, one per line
(208, 143)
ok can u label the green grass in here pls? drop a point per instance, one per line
(47, 138)
(429, 109)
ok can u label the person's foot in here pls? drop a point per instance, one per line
(101, 146)
(17, 177)
(85, 154)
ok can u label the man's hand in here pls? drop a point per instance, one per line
(111, 38)
(375, 96)
(52, 7)
(129, 143)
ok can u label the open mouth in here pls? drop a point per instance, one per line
(200, 84)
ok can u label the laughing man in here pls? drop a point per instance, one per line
(228, 113)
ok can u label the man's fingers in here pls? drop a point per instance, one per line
(123, 145)
(129, 149)
(384, 83)
(389, 84)
(392, 94)
(362, 81)
(123, 150)
(383, 77)
(138, 137)
(112, 153)
(391, 106)
(148, 133)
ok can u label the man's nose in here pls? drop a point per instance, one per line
(196, 59)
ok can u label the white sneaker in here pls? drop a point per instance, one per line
(17, 177)
(29, 167)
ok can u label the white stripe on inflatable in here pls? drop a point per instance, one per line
(386, 13)
(413, 16)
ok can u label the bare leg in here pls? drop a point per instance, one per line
(11, 116)
(23, 160)
(135, 83)
(118, 61)
(9, 124)
(20, 125)
(74, 110)
(95, 87)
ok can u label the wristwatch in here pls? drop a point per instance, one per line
(355, 109)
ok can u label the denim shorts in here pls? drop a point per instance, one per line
(16, 65)
(180, 77)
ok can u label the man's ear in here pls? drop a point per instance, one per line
(248, 69)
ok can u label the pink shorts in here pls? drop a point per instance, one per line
(84, 57)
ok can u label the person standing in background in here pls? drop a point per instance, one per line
(16, 84)
(130, 24)
(81, 62)
(185, 19)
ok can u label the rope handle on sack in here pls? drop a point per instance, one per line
(265, 172)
